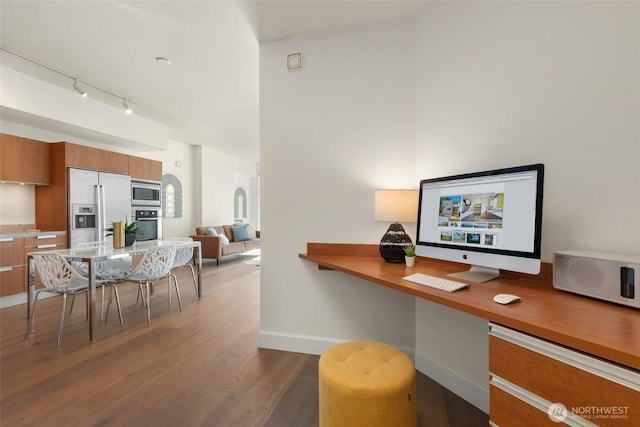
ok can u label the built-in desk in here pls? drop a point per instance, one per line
(599, 330)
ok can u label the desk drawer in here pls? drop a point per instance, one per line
(600, 392)
(508, 410)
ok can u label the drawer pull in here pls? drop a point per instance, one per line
(46, 236)
(608, 371)
(6, 239)
(535, 400)
(3, 269)
(46, 246)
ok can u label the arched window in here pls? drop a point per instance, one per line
(171, 196)
(240, 204)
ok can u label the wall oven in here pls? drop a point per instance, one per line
(149, 222)
(146, 193)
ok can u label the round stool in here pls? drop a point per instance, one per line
(366, 383)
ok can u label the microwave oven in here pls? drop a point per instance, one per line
(146, 193)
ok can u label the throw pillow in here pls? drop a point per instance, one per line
(212, 231)
(224, 239)
(240, 232)
(252, 232)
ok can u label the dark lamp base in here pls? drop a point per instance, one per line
(393, 243)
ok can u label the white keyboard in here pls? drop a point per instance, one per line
(435, 282)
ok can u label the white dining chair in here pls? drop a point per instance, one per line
(184, 257)
(58, 277)
(107, 273)
(155, 264)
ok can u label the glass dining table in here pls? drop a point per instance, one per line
(93, 255)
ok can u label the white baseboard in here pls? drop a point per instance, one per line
(469, 390)
(307, 344)
(11, 300)
(476, 394)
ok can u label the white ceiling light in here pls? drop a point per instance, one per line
(126, 107)
(79, 89)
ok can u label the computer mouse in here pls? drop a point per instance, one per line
(506, 298)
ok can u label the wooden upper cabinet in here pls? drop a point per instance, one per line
(24, 160)
(80, 156)
(140, 168)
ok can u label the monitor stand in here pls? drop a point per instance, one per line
(477, 274)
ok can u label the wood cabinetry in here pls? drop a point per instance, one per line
(534, 380)
(80, 156)
(14, 263)
(24, 160)
(145, 169)
(11, 266)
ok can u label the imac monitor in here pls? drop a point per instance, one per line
(491, 220)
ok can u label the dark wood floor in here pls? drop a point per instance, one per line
(200, 367)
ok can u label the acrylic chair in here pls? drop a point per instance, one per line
(58, 277)
(184, 256)
(156, 264)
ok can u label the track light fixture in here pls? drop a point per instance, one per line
(76, 81)
(126, 107)
(79, 89)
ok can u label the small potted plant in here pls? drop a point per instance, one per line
(410, 255)
(130, 230)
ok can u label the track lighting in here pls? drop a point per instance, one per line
(76, 81)
(126, 107)
(79, 89)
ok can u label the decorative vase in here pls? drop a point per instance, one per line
(118, 235)
(393, 243)
(410, 261)
(129, 239)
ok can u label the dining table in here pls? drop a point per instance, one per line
(91, 256)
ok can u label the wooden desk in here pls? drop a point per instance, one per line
(604, 330)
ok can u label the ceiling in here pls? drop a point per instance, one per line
(209, 95)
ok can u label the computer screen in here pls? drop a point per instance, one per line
(491, 220)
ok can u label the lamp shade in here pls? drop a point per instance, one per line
(396, 205)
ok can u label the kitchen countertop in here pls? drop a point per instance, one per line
(30, 234)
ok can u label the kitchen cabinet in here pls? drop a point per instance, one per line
(145, 169)
(14, 263)
(80, 156)
(24, 160)
(12, 271)
(52, 202)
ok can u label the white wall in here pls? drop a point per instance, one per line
(17, 204)
(502, 84)
(221, 174)
(496, 84)
(332, 134)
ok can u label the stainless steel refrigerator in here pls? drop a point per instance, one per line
(96, 200)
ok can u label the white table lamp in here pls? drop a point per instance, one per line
(395, 206)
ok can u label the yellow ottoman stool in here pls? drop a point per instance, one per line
(368, 384)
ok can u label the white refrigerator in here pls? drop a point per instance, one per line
(96, 200)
